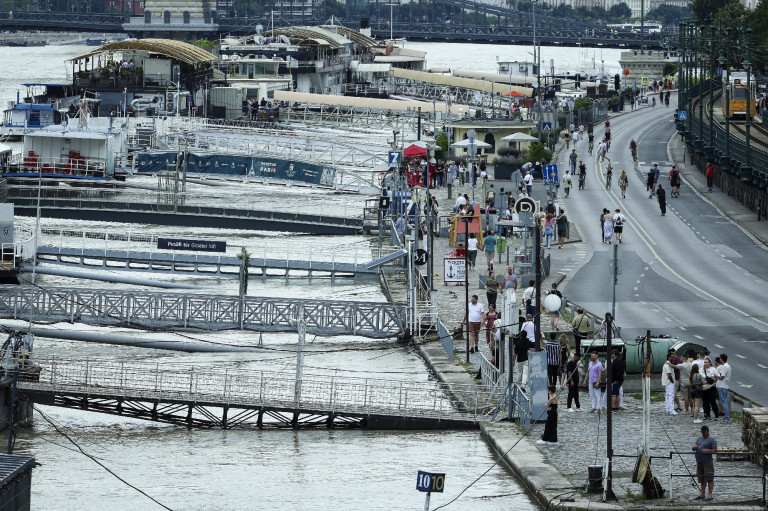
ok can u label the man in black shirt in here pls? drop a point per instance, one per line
(520, 357)
(617, 375)
(572, 381)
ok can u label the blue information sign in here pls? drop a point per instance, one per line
(191, 245)
(682, 115)
(550, 174)
(428, 482)
(546, 126)
(394, 159)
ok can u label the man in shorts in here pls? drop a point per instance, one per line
(705, 467)
(618, 224)
(475, 319)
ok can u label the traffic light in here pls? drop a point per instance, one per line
(616, 82)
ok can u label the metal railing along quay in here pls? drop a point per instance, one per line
(207, 312)
(197, 390)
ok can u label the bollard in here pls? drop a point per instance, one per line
(595, 484)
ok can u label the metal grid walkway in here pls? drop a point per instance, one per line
(213, 397)
(208, 312)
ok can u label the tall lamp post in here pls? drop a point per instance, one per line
(702, 61)
(708, 149)
(747, 65)
(681, 67)
(726, 160)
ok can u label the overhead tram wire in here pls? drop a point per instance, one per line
(95, 460)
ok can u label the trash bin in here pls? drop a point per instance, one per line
(502, 244)
(595, 479)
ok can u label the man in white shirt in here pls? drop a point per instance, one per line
(668, 381)
(528, 181)
(723, 383)
(618, 224)
(529, 295)
(475, 319)
(460, 201)
(529, 328)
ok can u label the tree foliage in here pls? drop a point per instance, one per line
(538, 152)
(670, 68)
(670, 14)
(703, 9)
(620, 11)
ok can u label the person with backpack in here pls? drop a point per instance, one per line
(675, 181)
(567, 183)
(618, 224)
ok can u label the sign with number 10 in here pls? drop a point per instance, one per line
(428, 482)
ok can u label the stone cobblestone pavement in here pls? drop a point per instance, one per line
(582, 441)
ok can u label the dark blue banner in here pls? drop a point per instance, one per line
(192, 245)
(273, 168)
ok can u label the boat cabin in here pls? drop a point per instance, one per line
(65, 153)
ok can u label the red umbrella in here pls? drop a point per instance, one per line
(413, 150)
(514, 94)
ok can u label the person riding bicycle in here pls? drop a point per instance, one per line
(582, 174)
(607, 138)
(654, 101)
(608, 176)
(633, 149)
(591, 138)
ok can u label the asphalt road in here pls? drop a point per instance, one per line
(693, 273)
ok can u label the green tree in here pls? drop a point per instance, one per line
(538, 152)
(620, 11)
(525, 5)
(564, 11)
(670, 14)
(703, 9)
(670, 69)
(442, 141)
(204, 44)
(598, 13)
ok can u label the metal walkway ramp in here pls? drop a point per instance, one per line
(212, 397)
(208, 312)
(188, 216)
(168, 262)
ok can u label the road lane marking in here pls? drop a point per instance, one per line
(697, 336)
(718, 346)
(740, 356)
(762, 366)
(683, 328)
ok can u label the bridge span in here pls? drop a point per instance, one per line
(217, 397)
(173, 311)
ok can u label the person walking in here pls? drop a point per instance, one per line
(709, 394)
(656, 174)
(581, 326)
(582, 174)
(572, 381)
(617, 376)
(567, 183)
(472, 250)
(550, 427)
(473, 320)
(704, 447)
(675, 181)
(697, 391)
(668, 381)
(572, 159)
(490, 249)
(607, 227)
(490, 321)
(685, 378)
(649, 183)
(549, 229)
(593, 377)
(723, 384)
(565, 353)
(491, 292)
(529, 296)
(562, 227)
(662, 197)
(710, 176)
(528, 181)
(618, 224)
(553, 358)
(554, 316)
(523, 343)
(623, 184)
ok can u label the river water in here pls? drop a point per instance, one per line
(270, 469)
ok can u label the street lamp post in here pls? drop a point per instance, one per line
(747, 65)
(727, 98)
(681, 67)
(702, 61)
(711, 87)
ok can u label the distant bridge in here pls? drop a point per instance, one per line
(174, 311)
(516, 27)
(213, 397)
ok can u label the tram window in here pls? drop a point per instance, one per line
(739, 93)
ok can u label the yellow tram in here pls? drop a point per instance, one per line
(737, 95)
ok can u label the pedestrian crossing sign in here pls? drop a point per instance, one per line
(644, 80)
(546, 126)
(682, 115)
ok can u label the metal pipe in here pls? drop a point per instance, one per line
(127, 340)
(106, 278)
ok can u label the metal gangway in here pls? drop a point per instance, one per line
(140, 252)
(164, 310)
(204, 397)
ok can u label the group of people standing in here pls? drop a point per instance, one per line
(703, 384)
(611, 224)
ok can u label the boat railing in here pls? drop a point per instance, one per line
(23, 248)
(68, 165)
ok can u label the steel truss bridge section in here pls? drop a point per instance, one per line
(205, 397)
(322, 114)
(187, 216)
(172, 311)
(456, 95)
